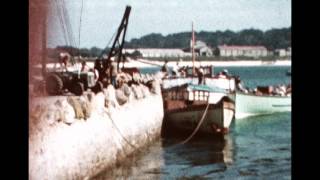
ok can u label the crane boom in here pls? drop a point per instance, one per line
(119, 40)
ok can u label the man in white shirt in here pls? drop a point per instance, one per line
(175, 70)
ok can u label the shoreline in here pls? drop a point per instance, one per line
(142, 63)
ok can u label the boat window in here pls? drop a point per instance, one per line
(187, 95)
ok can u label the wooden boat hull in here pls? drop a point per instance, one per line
(217, 119)
(249, 104)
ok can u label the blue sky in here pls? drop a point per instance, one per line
(101, 18)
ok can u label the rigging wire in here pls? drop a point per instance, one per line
(60, 18)
(80, 26)
(66, 29)
(68, 24)
(64, 19)
(79, 40)
(65, 24)
(104, 50)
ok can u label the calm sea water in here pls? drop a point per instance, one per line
(256, 148)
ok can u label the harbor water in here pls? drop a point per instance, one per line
(257, 147)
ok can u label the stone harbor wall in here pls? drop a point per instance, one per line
(72, 137)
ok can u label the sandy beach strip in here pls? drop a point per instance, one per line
(143, 63)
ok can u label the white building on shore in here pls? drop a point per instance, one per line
(201, 48)
(283, 52)
(289, 51)
(159, 52)
(249, 51)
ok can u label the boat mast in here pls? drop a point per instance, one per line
(193, 56)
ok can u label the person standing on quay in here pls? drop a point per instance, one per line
(165, 68)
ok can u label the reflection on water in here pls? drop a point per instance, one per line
(167, 158)
(145, 164)
(228, 150)
(256, 148)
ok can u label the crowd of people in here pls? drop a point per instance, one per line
(178, 71)
(105, 73)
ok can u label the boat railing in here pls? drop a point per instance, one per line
(195, 76)
(227, 83)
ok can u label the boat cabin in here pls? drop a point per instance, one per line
(188, 94)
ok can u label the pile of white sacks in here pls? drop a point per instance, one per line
(137, 86)
(129, 88)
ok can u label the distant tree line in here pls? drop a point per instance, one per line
(271, 39)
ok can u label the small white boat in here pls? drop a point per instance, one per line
(248, 104)
(188, 105)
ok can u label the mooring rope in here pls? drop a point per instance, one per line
(198, 126)
(125, 139)
(147, 62)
